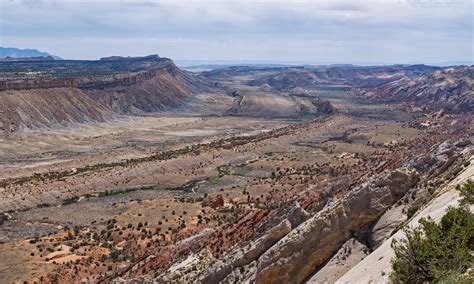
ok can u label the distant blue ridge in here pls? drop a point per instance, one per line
(21, 53)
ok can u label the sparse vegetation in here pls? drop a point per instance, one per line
(214, 180)
(70, 200)
(466, 192)
(437, 252)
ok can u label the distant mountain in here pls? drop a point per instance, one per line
(35, 58)
(362, 76)
(450, 89)
(456, 63)
(24, 53)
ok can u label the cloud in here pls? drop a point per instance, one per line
(231, 29)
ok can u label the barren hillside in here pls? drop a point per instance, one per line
(165, 90)
(353, 76)
(279, 106)
(36, 108)
(451, 89)
(50, 93)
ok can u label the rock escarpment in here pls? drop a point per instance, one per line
(346, 257)
(293, 249)
(51, 93)
(349, 75)
(431, 168)
(205, 268)
(376, 267)
(304, 249)
(450, 89)
(241, 257)
(165, 90)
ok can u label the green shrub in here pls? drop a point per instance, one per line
(114, 254)
(413, 209)
(467, 192)
(214, 180)
(435, 252)
(458, 279)
(71, 200)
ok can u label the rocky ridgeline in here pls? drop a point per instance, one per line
(86, 82)
(451, 89)
(116, 80)
(100, 82)
(298, 245)
(37, 84)
(302, 251)
(352, 75)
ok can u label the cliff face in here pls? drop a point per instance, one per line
(451, 89)
(48, 93)
(303, 250)
(156, 94)
(37, 84)
(376, 267)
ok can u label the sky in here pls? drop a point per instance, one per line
(296, 31)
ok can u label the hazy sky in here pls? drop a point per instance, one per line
(339, 31)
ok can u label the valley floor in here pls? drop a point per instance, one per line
(94, 201)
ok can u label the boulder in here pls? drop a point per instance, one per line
(214, 202)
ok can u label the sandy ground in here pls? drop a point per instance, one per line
(68, 147)
(20, 265)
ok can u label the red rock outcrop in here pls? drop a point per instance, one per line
(214, 202)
